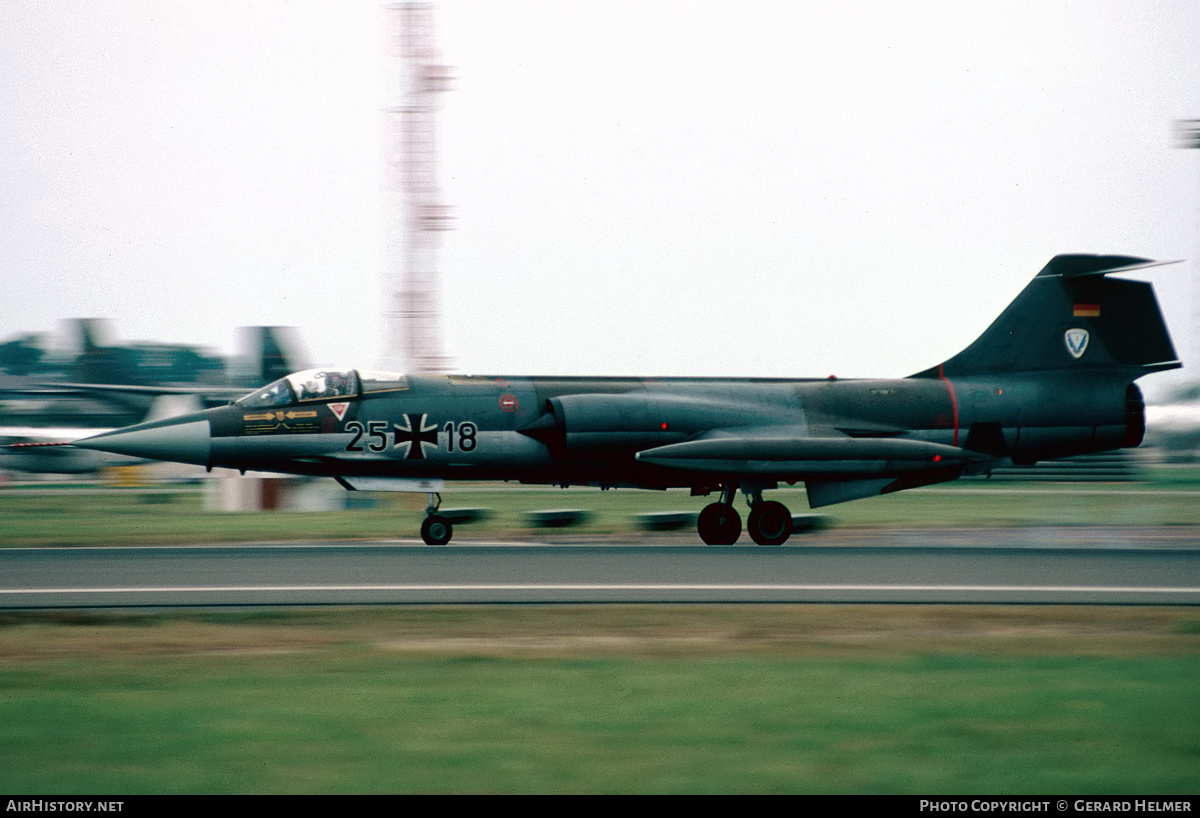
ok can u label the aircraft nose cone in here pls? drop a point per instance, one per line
(183, 439)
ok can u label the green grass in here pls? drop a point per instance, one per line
(704, 699)
(122, 516)
(362, 723)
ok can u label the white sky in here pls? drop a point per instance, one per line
(667, 188)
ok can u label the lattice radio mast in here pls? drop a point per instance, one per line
(416, 214)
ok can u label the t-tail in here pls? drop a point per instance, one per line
(1054, 375)
(1071, 316)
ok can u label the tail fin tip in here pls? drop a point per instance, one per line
(1076, 265)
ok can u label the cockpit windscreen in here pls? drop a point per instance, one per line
(310, 385)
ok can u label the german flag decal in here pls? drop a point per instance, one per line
(1086, 311)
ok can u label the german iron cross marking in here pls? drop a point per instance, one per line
(414, 434)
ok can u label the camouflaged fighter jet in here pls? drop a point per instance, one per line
(1053, 376)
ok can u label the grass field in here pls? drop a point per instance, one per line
(609, 699)
(131, 517)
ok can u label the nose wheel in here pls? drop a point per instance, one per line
(436, 529)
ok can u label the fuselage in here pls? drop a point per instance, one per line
(576, 431)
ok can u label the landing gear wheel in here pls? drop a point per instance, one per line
(436, 530)
(770, 523)
(719, 524)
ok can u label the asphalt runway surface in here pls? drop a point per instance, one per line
(1080, 565)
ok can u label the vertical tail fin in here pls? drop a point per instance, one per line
(270, 353)
(1069, 317)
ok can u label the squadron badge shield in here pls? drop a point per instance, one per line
(1077, 342)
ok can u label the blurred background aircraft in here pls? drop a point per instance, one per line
(50, 396)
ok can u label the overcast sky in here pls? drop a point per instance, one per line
(667, 188)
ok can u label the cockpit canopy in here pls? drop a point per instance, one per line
(323, 384)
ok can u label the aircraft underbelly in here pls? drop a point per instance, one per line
(281, 448)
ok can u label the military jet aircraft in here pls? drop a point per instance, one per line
(1053, 376)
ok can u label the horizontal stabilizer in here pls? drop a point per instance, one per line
(1077, 265)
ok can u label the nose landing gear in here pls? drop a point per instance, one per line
(436, 529)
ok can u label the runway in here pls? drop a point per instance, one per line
(1077, 565)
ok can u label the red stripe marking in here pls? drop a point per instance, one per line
(953, 400)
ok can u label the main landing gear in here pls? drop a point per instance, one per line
(436, 529)
(719, 524)
(769, 523)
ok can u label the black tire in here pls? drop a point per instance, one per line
(436, 530)
(770, 523)
(719, 524)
